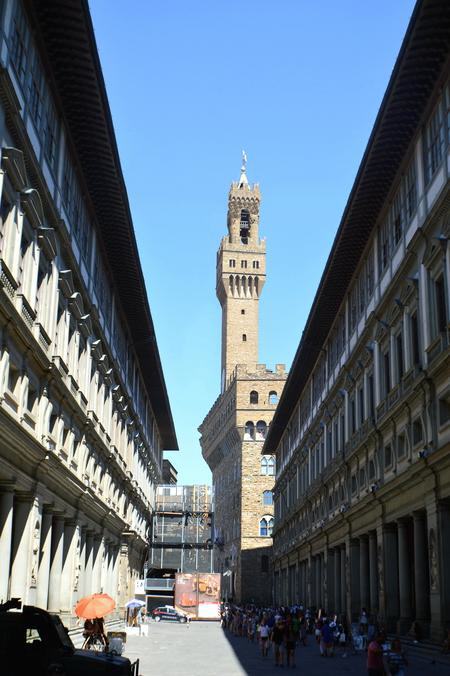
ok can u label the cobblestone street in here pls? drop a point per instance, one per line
(204, 649)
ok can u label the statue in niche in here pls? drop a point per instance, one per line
(35, 554)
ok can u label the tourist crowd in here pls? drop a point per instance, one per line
(279, 631)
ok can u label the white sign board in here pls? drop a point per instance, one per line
(139, 587)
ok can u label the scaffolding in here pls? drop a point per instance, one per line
(182, 530)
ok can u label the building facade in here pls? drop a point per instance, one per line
(362, 432)
(84, 412)
(233, 432)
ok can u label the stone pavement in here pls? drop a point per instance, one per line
(204, 649)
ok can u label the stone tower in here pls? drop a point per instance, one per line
(233, 431)
(241, 273)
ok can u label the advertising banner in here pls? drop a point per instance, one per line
(198, 595)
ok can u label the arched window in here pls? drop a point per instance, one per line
(267, 498)
(249, 433)
(245, 226)
(273, 397)
(261, 428)
(271, 466)
(266, 526)
(253, 397)
(264, 465)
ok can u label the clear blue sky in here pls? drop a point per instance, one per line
(297, 83)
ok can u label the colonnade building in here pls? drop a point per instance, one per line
(84, 412)
(362, 431)
(233, 432)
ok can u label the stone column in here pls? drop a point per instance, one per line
(6, 521)
(21, 548)
(443, 556)
(343, 580)
(337, 580)
(44, 560)
(97, 566)
(392, 608)
(90, 553)
(373, 573)
(364, 574)
(310, 580)
(82, 562)
(318, 579)
(116, 573)
(404, 575)
(104, 567)
(421, 581)
(355, 602)
(331, 593)
(321, 580)
(56, 564)
(68, 565)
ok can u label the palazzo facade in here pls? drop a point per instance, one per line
(362, 432)
(84, 412)
(233, 432)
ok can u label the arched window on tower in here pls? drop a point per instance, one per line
(253, 397)
(261, 428)
(266, 526)
(245, 226)
(273, 397)
(271, 466)
(264, 465)
(249, 432)
(267, 498)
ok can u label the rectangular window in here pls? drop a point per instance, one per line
(353, 307)
(441, 310)
(50, 134)
(243, 264)
(362, 415)
(434, 142)
(384, 245)
(415, 342)
(388, 455)
(35, 89)
(399, 355)
(386, 375)
(370, 276)
(352, 416)
(371, 393)
(410, 190)
(19, 43)
(397, 218)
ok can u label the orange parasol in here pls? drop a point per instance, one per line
(95, 605)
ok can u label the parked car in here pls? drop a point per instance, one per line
(168, 613)
(36, 642)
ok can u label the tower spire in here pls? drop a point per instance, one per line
(243, 178)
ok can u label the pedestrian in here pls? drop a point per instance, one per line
(264, 637)
(277, 638)
(363, 622)
(375, 662)
(326, 640)
(395, 660)
(289, 641)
